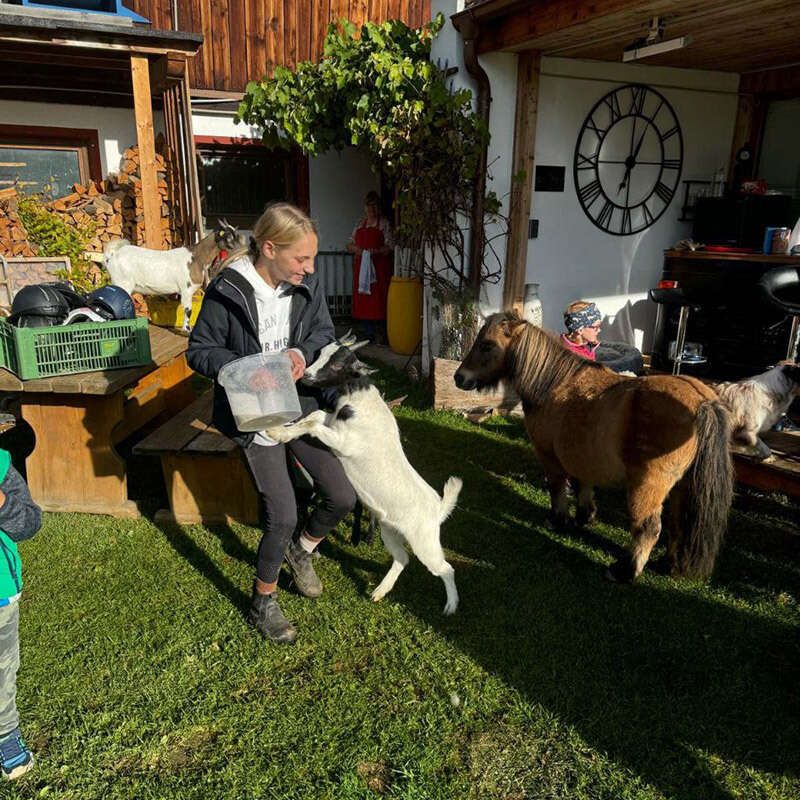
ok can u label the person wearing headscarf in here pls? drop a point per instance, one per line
(582, 321)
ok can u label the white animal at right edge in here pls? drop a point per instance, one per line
(756, 404)
(362, 432)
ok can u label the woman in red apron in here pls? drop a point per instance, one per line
(371, 289)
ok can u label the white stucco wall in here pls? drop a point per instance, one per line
(571, 258)
(115, 127)
(338, 183)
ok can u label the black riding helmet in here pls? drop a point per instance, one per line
(112, 302)
(40, 306)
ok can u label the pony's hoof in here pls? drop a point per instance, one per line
(559, 521)
(585, 518)
(621, 572)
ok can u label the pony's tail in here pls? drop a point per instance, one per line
(450, 493)
(707, 494)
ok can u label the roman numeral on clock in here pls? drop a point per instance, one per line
(663, 192)
(606, 212)
(588, 162)
(612, 102)
(626, 226)
(590, 193)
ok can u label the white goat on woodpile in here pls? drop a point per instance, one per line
(182, 270)
(363, 434)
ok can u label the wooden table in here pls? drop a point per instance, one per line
(78, 419)
(781, 473)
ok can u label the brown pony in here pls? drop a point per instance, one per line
(660, 436)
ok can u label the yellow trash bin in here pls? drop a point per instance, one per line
(404, 315)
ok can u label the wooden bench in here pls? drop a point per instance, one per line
(205, 476)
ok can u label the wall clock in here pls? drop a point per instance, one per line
(628, 159)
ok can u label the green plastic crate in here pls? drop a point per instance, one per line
(8, 350)
(83, 347)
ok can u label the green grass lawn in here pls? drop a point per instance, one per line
(140, 679)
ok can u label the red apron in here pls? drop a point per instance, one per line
(373, 305)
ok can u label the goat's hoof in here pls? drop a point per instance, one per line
(377, 596)
(450, 608)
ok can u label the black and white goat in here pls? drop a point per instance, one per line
(362, 432)
(756, 404)
(182, 270)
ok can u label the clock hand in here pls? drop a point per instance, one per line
(624, 180)
(635, 153)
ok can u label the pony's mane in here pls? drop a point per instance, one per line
(539, 363)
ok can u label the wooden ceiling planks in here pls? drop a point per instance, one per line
(727, 35)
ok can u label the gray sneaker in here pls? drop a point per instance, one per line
(300, 564)
(266, 617)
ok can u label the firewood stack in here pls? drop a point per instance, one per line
(114, 207)
(13, 236)
(133, 206)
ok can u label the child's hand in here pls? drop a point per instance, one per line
(298, 364)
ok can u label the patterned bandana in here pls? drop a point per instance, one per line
(582, 319)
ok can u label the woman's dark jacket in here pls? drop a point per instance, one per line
(227, 329)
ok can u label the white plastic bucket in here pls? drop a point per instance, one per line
(261, 391)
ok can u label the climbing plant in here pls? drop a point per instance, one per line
(376, 89)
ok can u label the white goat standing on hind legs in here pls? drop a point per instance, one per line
(362, 432)
(182, 270)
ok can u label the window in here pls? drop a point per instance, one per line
(239, 177)
(47, 160)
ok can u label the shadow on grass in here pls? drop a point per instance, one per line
(661, 676)
(181, 541)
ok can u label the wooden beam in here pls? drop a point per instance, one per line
(166, 71)
(143, 112)
(532, 20)
(783, 82)
(528, 68)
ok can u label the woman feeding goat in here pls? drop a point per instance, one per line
(269, 300)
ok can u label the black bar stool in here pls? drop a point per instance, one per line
(676, 298)
(773, 285)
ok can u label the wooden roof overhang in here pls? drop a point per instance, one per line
(54, 59)
(89, 63)
(755, 38)
(738, 36)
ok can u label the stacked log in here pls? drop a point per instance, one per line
(13, 236)
(133, 207)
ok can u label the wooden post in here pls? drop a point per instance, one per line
(751, 115)
(191, 159)
(521, 190)
(143, 111)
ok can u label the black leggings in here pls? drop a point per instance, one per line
(271, 476)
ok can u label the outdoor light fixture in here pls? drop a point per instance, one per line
(654, 44)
